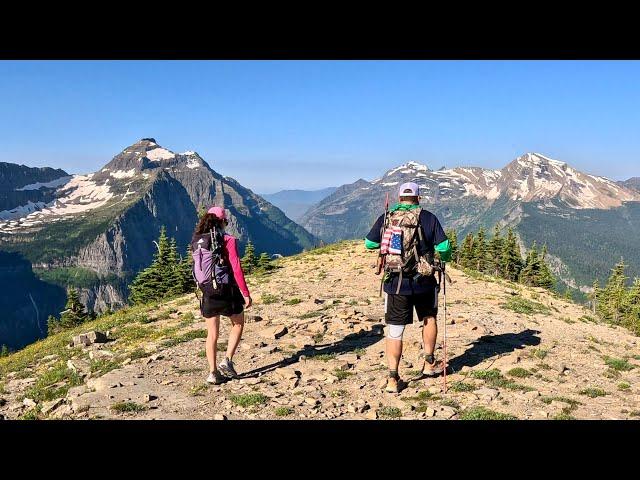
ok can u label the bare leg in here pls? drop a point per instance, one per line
(213, 326)
(394, 352)
(235, 334)
(429, 335)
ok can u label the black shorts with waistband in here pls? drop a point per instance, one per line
(399, 308)
(227, 305)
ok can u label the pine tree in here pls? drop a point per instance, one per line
(173, 283)
(494, 258)
(74, 313)
(545, 278)
(531, 270)
(153, 283)
(467, 253)
(4, 351)
(249, 261)
(511, 261)
(612, 297)
(632, 307)
(264, 262)
(480, 248)
(185, 268)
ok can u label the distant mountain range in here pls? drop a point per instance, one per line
(96, 231)
(633, 183)
(586, 220)
(294, 203)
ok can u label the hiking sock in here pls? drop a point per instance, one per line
(394, 374)
(430, 358)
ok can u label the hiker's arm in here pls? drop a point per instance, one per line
(373, 238)
(234, 260)
(441, 242)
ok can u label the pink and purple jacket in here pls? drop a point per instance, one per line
(231, 248)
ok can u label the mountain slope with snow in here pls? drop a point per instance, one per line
(100, 227)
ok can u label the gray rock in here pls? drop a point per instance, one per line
(89, 338)
(29, 403)
(274, 332)
(48, 407)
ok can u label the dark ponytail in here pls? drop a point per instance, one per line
(208, 222)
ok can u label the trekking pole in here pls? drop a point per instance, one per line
(444, 340)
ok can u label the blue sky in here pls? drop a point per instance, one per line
(289, 124)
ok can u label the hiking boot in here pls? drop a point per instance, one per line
(393, 385)
(227, 369)
(432, 369)
(215, 378)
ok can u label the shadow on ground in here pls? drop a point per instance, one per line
(489, 346)
(347, 344)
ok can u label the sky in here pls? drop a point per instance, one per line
(276, 125)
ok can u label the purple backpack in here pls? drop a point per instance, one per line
(210, 270)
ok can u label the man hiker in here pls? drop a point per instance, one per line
(407, 237)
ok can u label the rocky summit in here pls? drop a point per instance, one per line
(313, 348)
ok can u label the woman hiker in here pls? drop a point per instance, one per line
(224, 291)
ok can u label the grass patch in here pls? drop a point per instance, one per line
(448, 402)
(311, 314)
(482, 413)
(618, 364)
(563, 416)
(267, 298)
(462, 387)
(519, 372)
(323, 357)
(31, 414)
(53, 384)
(593, 392)
(342, 374)
(198, 390)
(189, 317)
(185, 337)
(292, 301)
(248, 399)
(389, 412)
(539, 353)
(524, 306)
(317, 338)
(138, 353)
(103, 366)
(127, 407)
(359, 351)
(495, 379)
(624, 386)
(283, 411)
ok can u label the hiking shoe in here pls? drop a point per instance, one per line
(433, 369)
(393, 385)
(227, 369)
(215, 378)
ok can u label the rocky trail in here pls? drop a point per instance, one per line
(313, 348)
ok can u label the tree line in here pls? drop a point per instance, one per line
(500, 257)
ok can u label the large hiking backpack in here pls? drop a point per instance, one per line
(403, 242)
(210, 269)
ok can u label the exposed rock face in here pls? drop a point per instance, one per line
(106, 222)
(632, 183)
(27, 187)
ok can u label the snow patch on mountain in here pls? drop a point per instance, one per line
(160, 154)
(52, 184)
(123, 173)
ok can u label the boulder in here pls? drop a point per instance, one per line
(274, 332)
(89, 338)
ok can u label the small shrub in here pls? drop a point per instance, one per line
(389, 412)
(126, 407)
(618, 364)
(624, 386)
(283, 411)
(519, 372)
(249, 399)
(462, 387)
(268, 299)
(342, 374)
(482, 413)
(524, 306)
(593, 392)
(292, 301)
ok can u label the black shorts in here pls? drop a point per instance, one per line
(231, 304)
(399, 308)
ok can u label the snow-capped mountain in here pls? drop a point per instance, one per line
(465, 198)
(97, 230)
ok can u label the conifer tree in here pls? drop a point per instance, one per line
(185, 268)
(264, 262)
(531, 270)
(494, 260)
(74, 313)
(452, 235)
(4, 351)
(467, 253)
(632, 307)
(480, 250)
(153, 283)
(249, 260)
(511, 261)
(612, 297)
(545, 278)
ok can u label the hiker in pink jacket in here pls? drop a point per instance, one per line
(227, 295)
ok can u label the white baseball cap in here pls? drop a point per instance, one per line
(409, 189)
